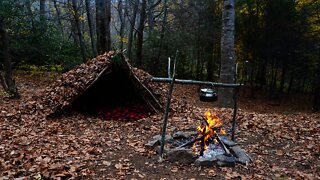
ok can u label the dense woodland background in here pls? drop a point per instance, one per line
(277, 42)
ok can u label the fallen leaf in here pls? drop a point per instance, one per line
(107, 163)
(174, 169)
(118, 166)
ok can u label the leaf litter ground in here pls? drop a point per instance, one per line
(283, 142)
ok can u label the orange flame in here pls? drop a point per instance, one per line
(208, 129)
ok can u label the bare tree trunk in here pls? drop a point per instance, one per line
(99, 27)
(103, 17)
(7, 80)
(122, 22)
(252, 86)
(290, 83)
(77, 24)
(210, 68)
(217, 51)
(150, 10)
(43, 15)
(132, 25)
(283, 76)
(201, 66)
(150, 16)
(89, 16)
(42, 10)
(30, 14)
(59, 17)
(316, 100)
(274, 78)
(108, 20)
(162, 33)
(227, 72)
(198, 48)
(140, 33)
(74, 32)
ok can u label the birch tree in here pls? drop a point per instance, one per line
(227, 71)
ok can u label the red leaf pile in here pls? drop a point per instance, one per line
(126, 113)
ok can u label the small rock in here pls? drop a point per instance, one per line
(152, 144)
(181, 134)
(242, 156)
(181, 155)
(155, 141)
(227, 142)
(168, 138)
(226, 161)
(205, 161)
(20, 178)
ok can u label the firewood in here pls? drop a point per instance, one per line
(203, 143)
(222, 144)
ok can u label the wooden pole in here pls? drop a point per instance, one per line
(185, 81)
(235, 106)
(169, 67)
(166, 113)
(234, 117)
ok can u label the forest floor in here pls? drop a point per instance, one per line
(282, 137)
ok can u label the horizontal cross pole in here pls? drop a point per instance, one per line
(185, 81)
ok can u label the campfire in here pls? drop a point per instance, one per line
(209, 142)
(209, 145)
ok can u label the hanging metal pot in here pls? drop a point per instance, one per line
(208, 95)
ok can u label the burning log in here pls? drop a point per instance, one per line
(192, 141)
(203, 141)
(222, 144)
